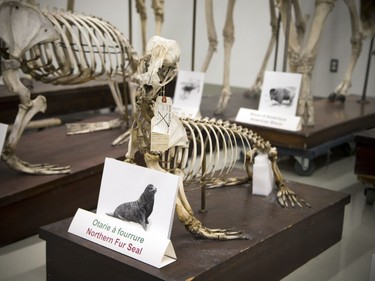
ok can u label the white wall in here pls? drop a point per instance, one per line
(252, 33)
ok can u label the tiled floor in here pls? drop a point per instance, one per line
(350, 259)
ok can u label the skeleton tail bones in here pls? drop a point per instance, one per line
(196, 155)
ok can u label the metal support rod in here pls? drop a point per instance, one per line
(203, 186)
(277, 42)
(130, 22)
(193, 37)
(125, 94)
(363, 99)
(286, 45)
(70, 6)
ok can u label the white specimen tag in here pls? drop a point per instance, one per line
(161, 124)
(3, 134)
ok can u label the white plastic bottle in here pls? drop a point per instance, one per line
(263, 179)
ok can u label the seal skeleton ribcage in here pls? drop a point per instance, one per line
(88, 48)
(215, 149)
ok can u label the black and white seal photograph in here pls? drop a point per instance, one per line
(137, 198)
(137, 211)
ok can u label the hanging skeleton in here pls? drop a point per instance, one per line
(302, 53)
(60, 48)
(188, 141)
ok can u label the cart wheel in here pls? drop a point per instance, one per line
(348, 148)
(305, 172)
(370, 195)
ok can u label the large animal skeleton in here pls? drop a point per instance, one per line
(302, 53)
(190, 140)
(60, 48)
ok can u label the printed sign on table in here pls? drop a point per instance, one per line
(134, 215)
(280, 93)
(278, 103)
(267, 119)
(188, 93)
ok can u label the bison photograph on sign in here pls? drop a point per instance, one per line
(280, 93)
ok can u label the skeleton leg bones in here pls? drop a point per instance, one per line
(82, 128)
(307, 60)
(256, 88)
(185, 212)
(228, 33)
(27, 109)
(356, 40)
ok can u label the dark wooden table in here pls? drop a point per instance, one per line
(364, 161)
(332, 120)
(28, 202)
(281, 240)
(336, 124)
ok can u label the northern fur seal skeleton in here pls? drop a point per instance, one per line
(154, 70)
(60, 48)
(190, 140)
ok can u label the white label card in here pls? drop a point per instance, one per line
(134, 215)
(161, 124)
(3, 134)
(267, 119)
(188, 93)
(280, 93)
(111, 233)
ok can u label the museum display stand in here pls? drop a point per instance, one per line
(335, 124)
(364, 162)
(280, 240)
(30, 201)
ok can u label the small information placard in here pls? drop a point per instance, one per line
(280, 93)
(3, 134)
(188, 93)
(278, 103)
(266, 119)
(134, 215)
(113, 234)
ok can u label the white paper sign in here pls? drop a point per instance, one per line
(134, 215)
(188, 93)
(3, 134)
(115, 235)
(267, 119)
(280, 93)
